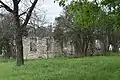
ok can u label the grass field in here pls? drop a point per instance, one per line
(90, 68)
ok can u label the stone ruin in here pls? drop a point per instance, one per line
(38, 48)
(40, 44)
(43, 48)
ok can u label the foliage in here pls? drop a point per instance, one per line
(82, 22)
(113, 8)
(61, 2)
(93, 20)
(7, 26)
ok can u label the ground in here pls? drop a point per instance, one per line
(89, 68)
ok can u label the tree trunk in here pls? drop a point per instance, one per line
(106, 43)
(115, 48)
(92, 44)
(78, 51)
(8, 54)
(114, 43)
(84, 45)
(0, 49)
(12, 48)
(18, 37)
(19, 46)
(86, 48)
(6, 48)
(61, 46)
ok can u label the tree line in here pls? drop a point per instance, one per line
(83, 21)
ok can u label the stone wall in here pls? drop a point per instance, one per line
(41, 48)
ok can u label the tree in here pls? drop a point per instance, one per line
(113, 10)
(83, 22)
(59, 34)
(7, 33)
(20, 28)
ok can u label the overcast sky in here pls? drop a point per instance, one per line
(52, 9)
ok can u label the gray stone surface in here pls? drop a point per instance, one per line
(41, 48)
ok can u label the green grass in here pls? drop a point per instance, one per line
(90, 68)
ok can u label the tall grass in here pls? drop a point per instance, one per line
(89, 68)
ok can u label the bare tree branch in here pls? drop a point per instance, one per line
(6, 7)
(31, 2)
(25, 12)
(15, 2)
(1, 6)
(29, 13)
(22, 13)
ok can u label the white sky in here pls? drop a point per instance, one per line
(52, 9)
